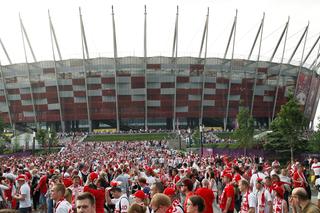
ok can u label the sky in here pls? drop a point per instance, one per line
(161, 14)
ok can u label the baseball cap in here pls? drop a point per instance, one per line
(260, 180)
(140, 194)
(169, 191)
(93, 176)
(21, 177)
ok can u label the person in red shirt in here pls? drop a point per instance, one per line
(227, 196)
(43, 188)
(99, 193)
(67, 180)
(298, 178)
(207, 194)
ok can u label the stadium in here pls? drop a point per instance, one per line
(153, 92)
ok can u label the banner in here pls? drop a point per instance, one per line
(303, 86)
(312, 96)
(100, 131)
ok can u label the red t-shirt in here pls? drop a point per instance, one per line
(42, 185)
(208, 197)
(99, 194)
(228, 191)
(185, 201)
(297, 178)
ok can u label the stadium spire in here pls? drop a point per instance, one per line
(145, 71)
(232, 34)
(54, 38)
(260, 31)
(204, 38)
(305, 32)
(115, 53)
(175, 37)
(5, 51)
(280, 69)
(85, 56)
(279, 41)
(24, 34)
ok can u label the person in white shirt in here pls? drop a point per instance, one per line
(264, 199)
(120, 200)
(249, 202)
(255, 176)
(317, 185)
(60, 203)
(23, 195)
(316, 167)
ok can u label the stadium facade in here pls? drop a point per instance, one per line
(152, 92)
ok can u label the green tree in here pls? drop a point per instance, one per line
(15, 143)
(245, 131)
(42, 137)
(290, 124)
(1, 126)
(314, 142)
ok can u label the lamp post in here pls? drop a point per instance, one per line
(179, 135)
(201, 139)
(33, 142)
(49, 141)
(189, 137)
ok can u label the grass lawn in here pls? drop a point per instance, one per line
(129, 137)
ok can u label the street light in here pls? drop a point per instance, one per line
(33, 142)
(201, 128)
(189, 138)
(179, 135)
(49, 141)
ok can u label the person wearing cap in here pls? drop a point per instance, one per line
(248, 202)
(207, 194)
(264, 199)
(140, 198)
(227, 196)
(120, 199)
(61, 205)
(279, 204)
(160, 203)
(23, 195)
(254, 177)
(275, 168)
(176, 206)
(86, 203)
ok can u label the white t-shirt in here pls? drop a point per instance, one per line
(254, 178)
(63, 207)
(251, 202)
(267, 198)
(317, 183)
(25, 190)
(316, 168)
(124, 202)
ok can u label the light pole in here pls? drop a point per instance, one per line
(189, 138)
(179, 135)
(33, 142)
(201, 142)
(49, 141)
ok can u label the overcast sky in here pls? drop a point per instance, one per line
(129, 17)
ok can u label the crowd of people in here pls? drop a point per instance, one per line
(145, 177)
